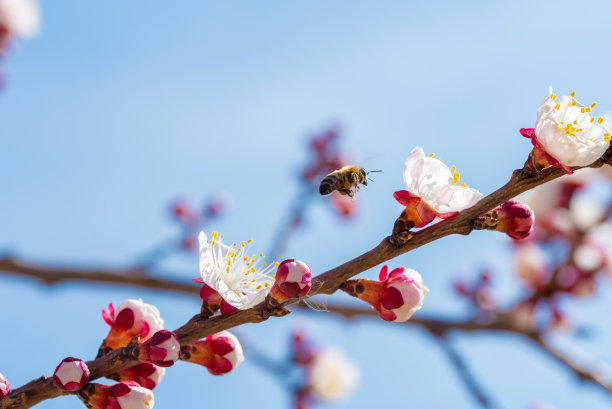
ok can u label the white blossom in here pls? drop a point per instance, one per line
(243, 280)
(332, 375)
(434, 182)
(137, 398)
(566, 131)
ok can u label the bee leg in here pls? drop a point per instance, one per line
(348, 192)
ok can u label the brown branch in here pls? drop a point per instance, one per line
(133, 278)
(327, 283)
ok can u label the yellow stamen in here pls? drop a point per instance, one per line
(264, 263)
(607, 134)
(214, 235)
(213, 242)
(234, 244)
(250, 241)
(453, 169)
(242, 243)
(573, 94)
(456, 177)
(599, 120)
(253, 280)
(222, 236)
(582, 110)
(258, 287)
(266, 284)
(463, 185)
(227, 270)
(276, 264)
(592, 120)
(594, 104)
(558, 106)
(606, 139)
(260, 254)
(553, 96)
(431, 155)
(588, 109)
(571, 104)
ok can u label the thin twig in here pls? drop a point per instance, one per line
(465, 374)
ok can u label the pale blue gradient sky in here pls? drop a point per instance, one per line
(115, 109)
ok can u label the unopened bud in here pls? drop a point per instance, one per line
(219, 353)
(512, 217)
(123, 395)
(71, 374)
(146, 375)
(396, 297)
(4, 387)
(162, 349)
(292, 281)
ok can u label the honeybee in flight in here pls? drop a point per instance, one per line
(344, 180)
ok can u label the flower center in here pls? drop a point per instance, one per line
(456, 175)
(583, 117)
(244, 271)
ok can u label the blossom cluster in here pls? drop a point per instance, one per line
(139, 327)
(233, 278)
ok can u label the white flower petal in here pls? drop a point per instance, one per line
(433, 181)
(579, 145)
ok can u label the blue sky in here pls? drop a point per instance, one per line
(116, 109)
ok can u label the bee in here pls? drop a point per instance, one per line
(345, 180)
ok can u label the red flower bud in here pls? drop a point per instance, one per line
(292, 281)
(219, 353)
(512, 217)
(4, 387)
(123, 395)
(162, 349)
(71, 374)
(146, 375)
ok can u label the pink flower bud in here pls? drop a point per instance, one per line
(162, 349)
(512, 217)
(292, 281)
(123, 395)
(147, 375)
(71, 374)
(396, 297)
(4, 387)
(132, 318)
(219, 353)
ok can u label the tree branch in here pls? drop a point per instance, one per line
(326, 283)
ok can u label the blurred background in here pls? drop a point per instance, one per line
(114, 113)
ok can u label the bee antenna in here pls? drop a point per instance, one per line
(374, 171)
